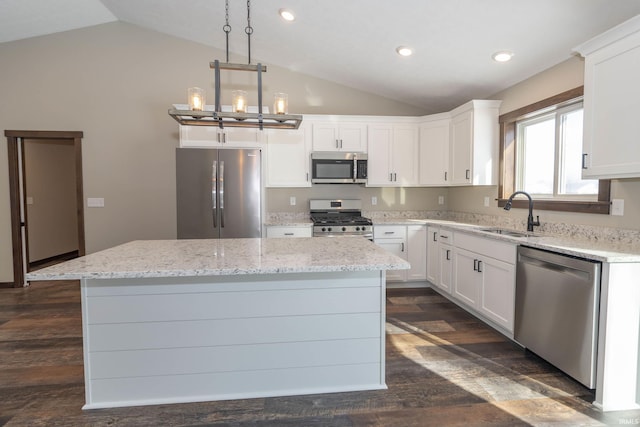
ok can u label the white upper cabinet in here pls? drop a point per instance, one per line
(474, 143)
(288, 156)
(393, 155)
(612, 103)
(214, 137)
(434, 151)
(339, 136)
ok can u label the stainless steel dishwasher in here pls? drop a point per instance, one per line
(557, 305)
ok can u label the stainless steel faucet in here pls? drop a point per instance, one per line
(530, 221)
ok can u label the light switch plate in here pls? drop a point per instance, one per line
(95, 202)
(617, 207)
(486, 201)
(441, 200)
(374, 200)
(292, 200)
(29, 200)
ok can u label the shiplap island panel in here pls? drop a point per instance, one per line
(196, 320)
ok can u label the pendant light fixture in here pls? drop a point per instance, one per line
(196, 113)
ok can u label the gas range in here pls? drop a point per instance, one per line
(332, 218)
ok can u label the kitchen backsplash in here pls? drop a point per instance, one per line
(580, 232)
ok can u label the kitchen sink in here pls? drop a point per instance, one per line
(507, 232)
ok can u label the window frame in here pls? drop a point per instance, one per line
(508, 152)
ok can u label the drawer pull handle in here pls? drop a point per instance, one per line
(288, 234)
(389, 232)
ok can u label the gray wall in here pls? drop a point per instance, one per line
(51, 186)
(115, 83)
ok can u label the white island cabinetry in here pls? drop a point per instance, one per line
(230, 318)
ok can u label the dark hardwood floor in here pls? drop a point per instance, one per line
(444, 368)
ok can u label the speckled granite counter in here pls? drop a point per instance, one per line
(245, 318)
(182, 258)
(620, 251)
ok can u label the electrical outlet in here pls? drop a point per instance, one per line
(292, 200)
(617, 207)
(441, 200)
(486, 201)
(374, 200)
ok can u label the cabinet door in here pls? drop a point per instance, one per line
(461, 148)
(325, 137)
(466, 281)
(611, 110)
(332, 136)
(417, 252)
(240, 137)
(353, 137)
(404, 156)
(434, 152)
(214, 137)
(380, 140)
(433, 255)
(398, 248)
(497, 291)
(288, 157)
(446, 267)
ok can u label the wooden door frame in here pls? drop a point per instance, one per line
(14, 190)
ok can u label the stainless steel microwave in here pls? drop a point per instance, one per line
(328, 167)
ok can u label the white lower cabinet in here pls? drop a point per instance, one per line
(408, 243)
(417, 256)
(289, 231)
(439, 258)
(484, 277)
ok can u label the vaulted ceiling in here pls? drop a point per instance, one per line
(354, 42)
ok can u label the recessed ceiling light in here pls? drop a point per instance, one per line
(502, 56)
(404, 51)
(287, 15)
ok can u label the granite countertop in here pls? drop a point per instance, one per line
(209, 257)
(595, 250)
(285, 223)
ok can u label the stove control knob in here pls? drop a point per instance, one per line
(357, 228)
(344, 228)
(324, 229)
(329, 229)
(363, 228)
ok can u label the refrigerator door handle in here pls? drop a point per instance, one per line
(221, 194)
(214, 190)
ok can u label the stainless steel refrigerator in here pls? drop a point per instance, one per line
(218, 193)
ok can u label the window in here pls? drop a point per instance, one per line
(541, 153)
(549, 155)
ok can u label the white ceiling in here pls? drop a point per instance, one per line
(353, 42)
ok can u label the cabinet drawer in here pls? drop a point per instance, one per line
(389, 232)
(502, 251)
(285, 231)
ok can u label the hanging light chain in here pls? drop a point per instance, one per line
(249, 29)
(227, 27)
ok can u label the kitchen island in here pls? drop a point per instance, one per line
(193, 320)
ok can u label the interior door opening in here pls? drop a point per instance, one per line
(46, 198)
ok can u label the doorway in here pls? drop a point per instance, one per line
(46, 199)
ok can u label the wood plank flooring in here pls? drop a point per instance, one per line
(444, 368)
